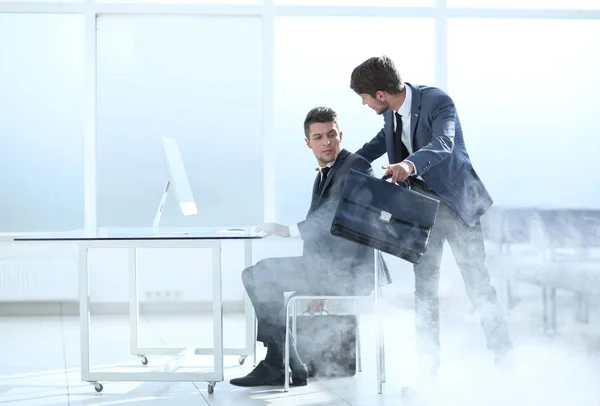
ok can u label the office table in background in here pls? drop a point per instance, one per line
(139, 238)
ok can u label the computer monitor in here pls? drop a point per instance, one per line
(176, 177)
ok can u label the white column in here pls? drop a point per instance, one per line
(441, 45)
(90, 200)
(269, 152)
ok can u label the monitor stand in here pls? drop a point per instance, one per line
(161, 206)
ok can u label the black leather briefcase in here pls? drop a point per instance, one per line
(391, 218)
(326, 343)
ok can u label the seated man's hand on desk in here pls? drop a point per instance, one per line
(275, 229)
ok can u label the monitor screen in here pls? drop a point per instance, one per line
(178, 176)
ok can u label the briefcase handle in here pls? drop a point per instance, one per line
(405, 184)
(324, 312)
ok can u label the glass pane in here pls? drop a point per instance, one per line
(172, 76)
(527, 4)
(375, 3)
(314, 58)
(41, 122)
(216, 2)
(528, 107)
(41, 1)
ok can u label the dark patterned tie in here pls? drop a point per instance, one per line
(401, 150)
(324, 173)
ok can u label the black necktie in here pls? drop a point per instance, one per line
(324, 173)
(401, 150)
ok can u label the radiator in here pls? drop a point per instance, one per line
(38, 280)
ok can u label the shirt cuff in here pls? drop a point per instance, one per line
(414, 168)
(294, 231)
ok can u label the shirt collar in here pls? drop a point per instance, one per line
(329, 165)
(404, 110)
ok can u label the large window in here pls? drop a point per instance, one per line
(220, 2)
(41, 122)
(41, 1)
(371, 3)
(527, 4)
(523, 87)
(195, 79)
(526, 94)
(314, 58)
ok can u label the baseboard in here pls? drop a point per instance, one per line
(72, 308)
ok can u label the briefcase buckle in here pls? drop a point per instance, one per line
(385, 216)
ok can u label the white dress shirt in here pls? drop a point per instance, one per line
(294, 231)
(405, 113)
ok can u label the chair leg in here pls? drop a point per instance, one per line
(582, 311)
(294, 305)
(553, 309)
(358, 349)
(255, 342)
(382, 343)
(377, 328)
(549, 309)
(508, 296)
(378, 355)
(286, 352)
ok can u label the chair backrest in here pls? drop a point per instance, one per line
(507, 225)
(572, 229)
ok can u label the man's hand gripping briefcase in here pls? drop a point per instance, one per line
(391, 218)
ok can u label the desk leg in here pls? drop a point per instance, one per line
(217, 314)
(249, 311)
(84, 312)
(134, 308)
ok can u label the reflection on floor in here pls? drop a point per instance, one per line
(39, 363)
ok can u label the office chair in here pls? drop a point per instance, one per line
(380, 350)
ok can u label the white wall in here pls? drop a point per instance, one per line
(189, 271)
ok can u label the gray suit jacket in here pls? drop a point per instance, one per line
(440, 155)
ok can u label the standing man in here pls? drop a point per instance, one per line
(424, 142)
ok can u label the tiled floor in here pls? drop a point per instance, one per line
(39, 364)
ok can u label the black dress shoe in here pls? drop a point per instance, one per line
(299, 375)
(263, 375)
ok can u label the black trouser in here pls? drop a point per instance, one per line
(267, 281)
(467, 245)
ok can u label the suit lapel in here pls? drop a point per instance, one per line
(315, 194)
(338, 162)
(415, 112)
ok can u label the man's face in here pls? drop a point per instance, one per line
(324, 139)
(377, 103)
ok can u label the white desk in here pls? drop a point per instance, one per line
(132, 239)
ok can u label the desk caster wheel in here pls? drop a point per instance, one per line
(211, 388)
(242, 359)
(98, 387)
(144, 360)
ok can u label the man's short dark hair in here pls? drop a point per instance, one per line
(319, 115)
(375, 74)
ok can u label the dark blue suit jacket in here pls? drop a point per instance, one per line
(335, 255)
(440, 156)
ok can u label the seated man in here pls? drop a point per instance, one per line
(329, 265)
